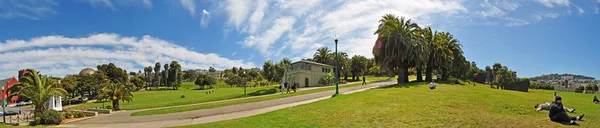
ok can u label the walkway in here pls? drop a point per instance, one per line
(122, 119)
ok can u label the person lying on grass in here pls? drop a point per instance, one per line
(546, 106)
(596, 100)
(558, 114)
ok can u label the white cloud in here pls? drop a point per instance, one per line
(59, 55)
(205, 18)
(106, 3)
(264, 41)
(551, 3)
(190, 6)
(23, 9)
(147, 3)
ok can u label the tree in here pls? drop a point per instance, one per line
(204, 80)
(322, 55)
(175, 78)
(400, 48)
(228, 74)
(235, 70)
(115, 93)
(592, 87)
(211, 69)
(148, 76)
(375, 70)
(495, 68)
(138, 82)
(69, 84)
(166, 75)
(114, 73)
(358, 65)
(156, 74)
(234, 81)
(489, 75)
(37, 88)
(189, 75)
(269, 70)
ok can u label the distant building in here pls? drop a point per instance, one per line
(307, 73)
(7, 83)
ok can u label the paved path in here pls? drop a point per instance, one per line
(122, 119)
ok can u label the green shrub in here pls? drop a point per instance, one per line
(37, 121)
(108, 107)
(579, 89)
(78, 114)
(68, 115)
(51, 117)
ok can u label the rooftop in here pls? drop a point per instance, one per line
(312, 62)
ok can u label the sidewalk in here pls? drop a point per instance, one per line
(122, 119)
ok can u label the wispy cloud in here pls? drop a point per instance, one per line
(205, 18)
(190, 6)
(22, 9)
(59, 55)
(233, 54)
(551, 3)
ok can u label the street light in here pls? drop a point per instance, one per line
(337, 69)
(244, 84)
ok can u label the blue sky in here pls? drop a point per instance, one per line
(532, 37)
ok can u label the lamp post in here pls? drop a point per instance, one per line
(244, 84)
(3, 105)
(337, 69)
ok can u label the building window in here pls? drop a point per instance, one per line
(309, 67)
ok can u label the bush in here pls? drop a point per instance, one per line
(579, 89)
(36, 121)
(68, 115)
(108, 107)
(51, 117)
(78, 114)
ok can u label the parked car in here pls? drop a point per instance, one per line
(9, 113)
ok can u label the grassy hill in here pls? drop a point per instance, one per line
(414, 105)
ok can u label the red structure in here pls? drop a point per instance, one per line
(7, 83)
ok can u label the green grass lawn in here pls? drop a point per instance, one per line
(163, 98)
(227, 103)
(414, 105)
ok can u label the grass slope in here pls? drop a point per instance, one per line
(234, 102)
(162, 98)
(414, 105)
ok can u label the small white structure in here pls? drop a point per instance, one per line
(54, 103)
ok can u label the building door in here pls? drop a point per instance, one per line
(305, 82)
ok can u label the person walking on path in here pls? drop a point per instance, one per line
(288, 87)
(294, 87)
(282, 87)
(558, 114)
(364, 80)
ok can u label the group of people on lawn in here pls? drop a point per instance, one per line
(558, 113)
(287, 86)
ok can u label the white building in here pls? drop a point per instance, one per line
(54, 103)
(307, 73)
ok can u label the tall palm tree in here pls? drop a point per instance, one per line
(37, 88)
(157, 74)
(322, 55)
(446, 47)
(429, 37)
(400, 47)
(115, 93)
(166, 76)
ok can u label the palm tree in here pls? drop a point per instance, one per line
(166, 75)
(37, 88)
(445, 48)
(115, 93)
(157, 74)
(322, 55)
(401, 47)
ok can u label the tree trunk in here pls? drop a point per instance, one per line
(401, 75)
(429, 68)
(444, 74)
(115, 104)
(419, 74)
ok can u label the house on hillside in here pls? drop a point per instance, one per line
(307, 73)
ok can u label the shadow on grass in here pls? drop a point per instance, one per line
(567, 123)
(263, 92)
(406, 85)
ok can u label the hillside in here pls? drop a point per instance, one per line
(414, 105)
(559, 76)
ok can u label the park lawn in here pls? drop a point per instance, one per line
(234, 102)
(164, 98)
(414, 105)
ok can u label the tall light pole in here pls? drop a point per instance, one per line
(337, 68)
(244, 84)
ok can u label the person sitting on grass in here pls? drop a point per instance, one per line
(596, 100)
(432, 85)
(558, 114)
(546, 106)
